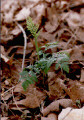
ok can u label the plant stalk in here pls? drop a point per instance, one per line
(37, 48)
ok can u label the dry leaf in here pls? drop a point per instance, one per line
(50, 28)
(55, 88)
(82, 76)
(73, 20)
(80, 34)
(71, 114)
(54, 106)
(8, 19)
(4, 58)
(76, 91)
(51, 116)
(47, 36)
(33, 96)
(76, 54)
(16, 31)
(23, 14)
(3, 50)
(4, 30)
(4, 118)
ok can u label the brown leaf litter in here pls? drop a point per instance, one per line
(54, 106)
(33, 97)
(51, 116)
(61, 21)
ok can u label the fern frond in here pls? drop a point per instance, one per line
(32, 27)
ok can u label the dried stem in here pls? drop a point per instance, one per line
(25, 43)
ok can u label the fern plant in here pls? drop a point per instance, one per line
(45, 60)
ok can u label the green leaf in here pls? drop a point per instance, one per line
(65, 67)
(57, 66)
(37, 70)
(50, 61)
(25, 84)
(23, 73)
(33, 76)
(50, 45)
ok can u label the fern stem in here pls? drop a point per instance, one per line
(37, 48)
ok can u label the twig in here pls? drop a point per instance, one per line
(7, 107)
(25, 43)
(8, 90)
(16, 103)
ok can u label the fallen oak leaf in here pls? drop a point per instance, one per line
(76, 91)
(82, 76)
(7, 60)
(51, 116)
(33, 96)
(54, 106)
(10, 61)
(4, 118)
(4, 58)
(71, 114)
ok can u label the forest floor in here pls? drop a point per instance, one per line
(60, 21)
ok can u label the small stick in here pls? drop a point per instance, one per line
(7, 91)
(25, 43)
(16, 103)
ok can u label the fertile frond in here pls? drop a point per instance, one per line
(32, 27)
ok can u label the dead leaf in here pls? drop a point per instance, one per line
(37, 15)
(71, 114)
(54, 106)
(4, 118)
(82, 76)
(47, 36)
(4, 58)
(50, 28)
(33, 96)
(44, 118)
(61, 4)
(6, 82)
(8, 18)
(76, 91)
(51, 116)
(7, 96)
(73, 19)
(3, 50)
(16, 31)
(4, 30)
(80, 34)
(23, 14)
(76, 54)
(55, 88)
(10, 61)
